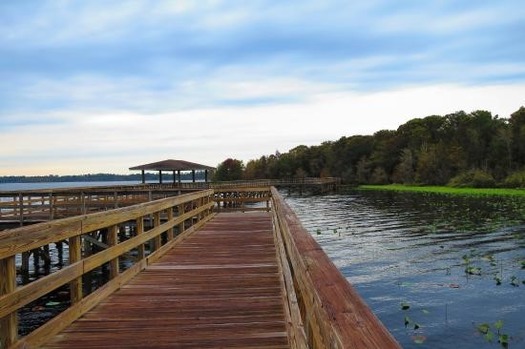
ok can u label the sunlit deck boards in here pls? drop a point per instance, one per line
(220, 288)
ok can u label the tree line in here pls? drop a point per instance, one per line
(474, 149)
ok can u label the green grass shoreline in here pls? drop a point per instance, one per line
(446, 190)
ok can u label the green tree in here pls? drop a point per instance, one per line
(404, 172)
(517, 126)
(229, 170)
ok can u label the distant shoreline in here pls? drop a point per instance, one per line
(98, 177)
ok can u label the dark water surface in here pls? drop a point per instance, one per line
(453, 263)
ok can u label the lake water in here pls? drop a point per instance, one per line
(433, 268)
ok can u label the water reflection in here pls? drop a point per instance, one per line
(440, 254)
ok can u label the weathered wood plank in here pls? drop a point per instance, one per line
(220, 287)
(8, 320)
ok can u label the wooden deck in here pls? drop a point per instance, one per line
(230, 296)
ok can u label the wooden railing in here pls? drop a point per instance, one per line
(323, 309)
(35, 205)
(30, 206)
(243, 199)
(170, 220)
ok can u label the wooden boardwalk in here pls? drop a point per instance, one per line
(220, 288)
(202, 276)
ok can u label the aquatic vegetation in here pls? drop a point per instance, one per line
(489, 334)
(498, 280)
(417, 337)
(470, 269)
(446, 190)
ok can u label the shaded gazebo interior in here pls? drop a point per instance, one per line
(174, 166)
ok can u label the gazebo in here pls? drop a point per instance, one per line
(175, 166)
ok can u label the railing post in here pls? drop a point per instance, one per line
(170, 218)
(51, 206)
(157, 242)
(181, 224)
(21, 208)
(141, 253)
(113, 241)
(75, 255)
(9, 323)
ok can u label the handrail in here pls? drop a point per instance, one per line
(186, 213)
(333, 314)
(238, 199)
(37, 205)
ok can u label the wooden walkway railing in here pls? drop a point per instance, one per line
(184, 213)
(318, 308)
(18, 208)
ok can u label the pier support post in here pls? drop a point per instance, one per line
(60, 251)
(36, 260)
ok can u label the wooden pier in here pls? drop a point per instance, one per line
(206, 272)
(22, 207)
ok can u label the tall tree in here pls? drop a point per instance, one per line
(517, 126)
(229, 170)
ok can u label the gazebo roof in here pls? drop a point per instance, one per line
(172, 165)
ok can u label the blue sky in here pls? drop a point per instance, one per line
(99, 85)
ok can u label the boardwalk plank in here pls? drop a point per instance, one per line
(218, 289)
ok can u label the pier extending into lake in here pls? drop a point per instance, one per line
(22, 207)
(210, 268)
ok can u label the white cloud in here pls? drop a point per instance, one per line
(113, 141)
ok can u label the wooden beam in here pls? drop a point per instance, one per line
(75, 255)
(8, 323)
(113, 241)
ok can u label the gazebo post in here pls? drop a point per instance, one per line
(174, 178)
(160, 176)
(206, 176)
(193, 175)
(178, 173)
(143, 177)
